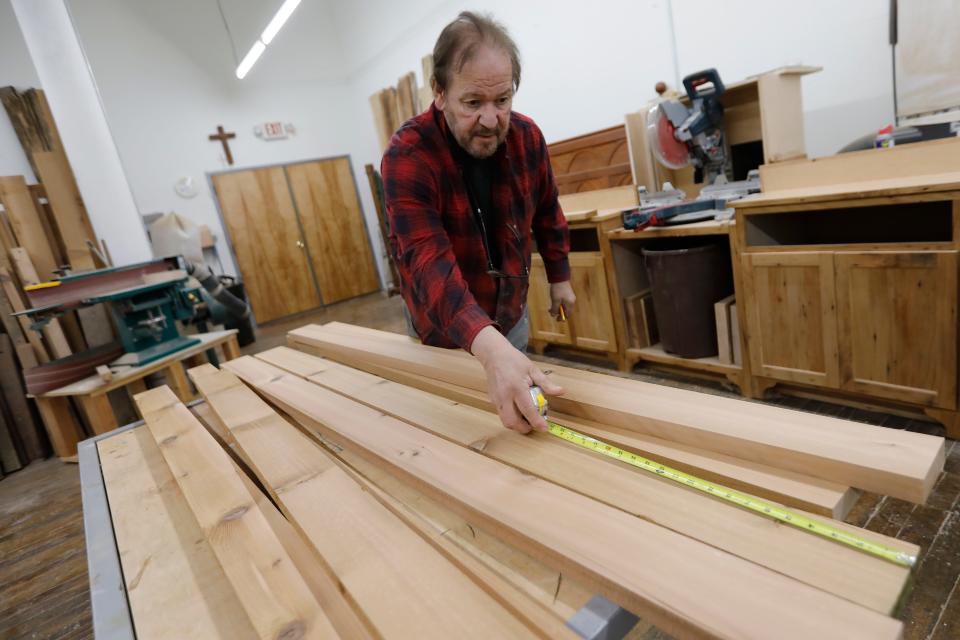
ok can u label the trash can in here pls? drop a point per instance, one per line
(685, 282)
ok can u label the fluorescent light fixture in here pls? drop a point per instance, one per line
(278, 20)
(250, 59)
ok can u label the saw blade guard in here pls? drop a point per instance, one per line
(668, 151)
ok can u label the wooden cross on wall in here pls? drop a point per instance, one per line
(223, 136)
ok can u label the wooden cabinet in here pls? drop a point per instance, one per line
(543, 328)
(590, 325)
(897, 321)
(592, 319)
(792, 315)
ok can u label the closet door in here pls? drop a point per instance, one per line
(333, 227)
(262, 222)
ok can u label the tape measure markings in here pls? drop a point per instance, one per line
(774, 511)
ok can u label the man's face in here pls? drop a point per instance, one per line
(477, 102)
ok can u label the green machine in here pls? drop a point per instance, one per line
(145, 301)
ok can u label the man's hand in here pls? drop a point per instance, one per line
(561, 293)
(510, 374)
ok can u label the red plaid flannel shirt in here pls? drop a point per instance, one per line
(436, 241)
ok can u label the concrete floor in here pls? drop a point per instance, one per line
(44, 591)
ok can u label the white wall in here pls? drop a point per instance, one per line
(166, 76)
(17, 70)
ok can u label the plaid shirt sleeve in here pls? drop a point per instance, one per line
(423, 247)
(549, 224)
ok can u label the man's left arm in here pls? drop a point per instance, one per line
(552, 234)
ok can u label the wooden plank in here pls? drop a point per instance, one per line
(27, 226)
(368, 549)
(407, 106)
(380, 120)
(722, 312)
(17, 304)
(906, 466)
(537, 616)
(791, 488)
(271, 591)
(13, 394)
(9, 456)
(736, 354)
(167, 563)
(530, 589)
(614, 198)
(781, 117)
(682, 586)
(262, 223)
(27, 274)
(820, 563)
(333, 228)
(69, 212)
(346, 621)
(914, 163)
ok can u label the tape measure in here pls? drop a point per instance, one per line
(752, 503)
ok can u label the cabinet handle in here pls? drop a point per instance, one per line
(300, 244)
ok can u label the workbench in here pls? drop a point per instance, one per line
(598, 619)
(91, 397)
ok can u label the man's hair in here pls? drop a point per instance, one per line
(459, 41)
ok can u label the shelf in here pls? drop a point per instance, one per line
(657, 354)
(705, 228)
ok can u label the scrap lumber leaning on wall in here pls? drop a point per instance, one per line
(901, 464)
(679, 584)
(843, 571)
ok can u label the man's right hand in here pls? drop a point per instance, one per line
(510, 374)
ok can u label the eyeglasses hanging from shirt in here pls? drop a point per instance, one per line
(479, 217)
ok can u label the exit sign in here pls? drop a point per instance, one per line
(273, 131)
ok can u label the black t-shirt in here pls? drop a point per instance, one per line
(479, 176)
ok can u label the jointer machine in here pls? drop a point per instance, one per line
(146, 303)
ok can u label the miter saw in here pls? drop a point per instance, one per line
(680, 135)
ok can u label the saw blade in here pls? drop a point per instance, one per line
(669, 151)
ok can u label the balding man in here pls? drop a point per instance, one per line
(468, 189)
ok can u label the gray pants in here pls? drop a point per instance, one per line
(518, 336)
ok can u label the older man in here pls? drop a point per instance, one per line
(468, 188)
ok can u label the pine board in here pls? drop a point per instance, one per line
(683, 586)
(367, 548)
(821, 563)
(901, 464)
(167, 564)
(271, 590)
(794, 489)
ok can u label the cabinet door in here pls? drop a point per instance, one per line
(792, 328)
(592, 317)
(262, 222)
(542, 325)
(897, 315)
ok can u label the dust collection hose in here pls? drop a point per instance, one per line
(237, 307)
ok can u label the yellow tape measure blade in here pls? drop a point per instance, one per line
(733, 496)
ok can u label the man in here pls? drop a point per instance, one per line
(465, 184)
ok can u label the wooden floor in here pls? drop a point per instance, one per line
(44, 589)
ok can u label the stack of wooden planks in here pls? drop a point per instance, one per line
(380, 469)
